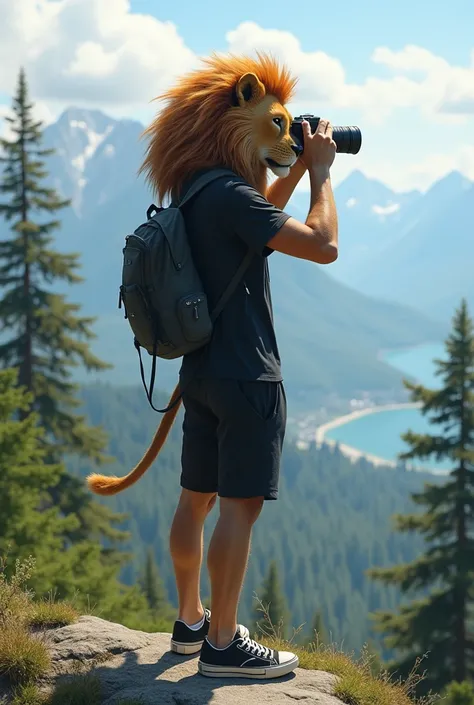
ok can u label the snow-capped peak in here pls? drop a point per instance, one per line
(94, 139)
(389, 209)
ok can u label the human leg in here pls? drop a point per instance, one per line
(198, 496)
(227, 563)
(252, 419)
(186, 546)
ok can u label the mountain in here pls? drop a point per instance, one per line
(369, 215)
(429, 259)
(411, 248)
(89, 146)
(330, 335)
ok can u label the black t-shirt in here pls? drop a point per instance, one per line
(222, 221)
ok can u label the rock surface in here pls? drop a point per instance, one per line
(139, 667)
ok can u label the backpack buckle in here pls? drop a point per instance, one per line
(153, 209)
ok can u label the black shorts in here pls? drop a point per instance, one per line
(233, 437)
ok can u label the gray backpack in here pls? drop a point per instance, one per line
(162, 293)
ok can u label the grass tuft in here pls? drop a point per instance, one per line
(79, 690)
(28, 695)
(23, 658)
(17, 602)
(359, 683)
(15, 598)
(48, 614)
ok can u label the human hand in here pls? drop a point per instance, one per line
(319, 148)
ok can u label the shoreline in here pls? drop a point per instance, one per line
(359, 413)
(355, 454)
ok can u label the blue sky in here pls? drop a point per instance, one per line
(394, 69)
(349, 29)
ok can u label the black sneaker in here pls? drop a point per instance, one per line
(189, 641)
(245, 658)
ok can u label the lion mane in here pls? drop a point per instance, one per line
(202, 125)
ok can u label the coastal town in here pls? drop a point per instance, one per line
(312, 429)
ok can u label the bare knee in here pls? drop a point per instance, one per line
(247, 509)
(196, 503)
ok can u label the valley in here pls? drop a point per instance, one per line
(412, 248)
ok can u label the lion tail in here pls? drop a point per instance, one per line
(104, 485)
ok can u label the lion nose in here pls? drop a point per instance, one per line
(297, 149)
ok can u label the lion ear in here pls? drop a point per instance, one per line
(249, 89)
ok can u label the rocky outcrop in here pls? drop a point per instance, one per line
(138, 667)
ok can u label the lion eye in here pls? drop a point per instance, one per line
(278, 122)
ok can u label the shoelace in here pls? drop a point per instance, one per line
(255, 648)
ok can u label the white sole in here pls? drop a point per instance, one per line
(259, 673)
(185, 649)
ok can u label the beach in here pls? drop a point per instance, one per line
(353, 453)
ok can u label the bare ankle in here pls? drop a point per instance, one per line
(191, 615)
(221, 637)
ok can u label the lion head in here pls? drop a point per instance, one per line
(230, 113)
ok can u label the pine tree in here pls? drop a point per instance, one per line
(438, 621)
(274, 603)
(43, 335)
(31, 525)
(152, 585)
(24, 481)
(47, 338)
(459, 694)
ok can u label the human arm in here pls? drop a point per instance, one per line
(315, 240)
(281, 190)
(264, 227)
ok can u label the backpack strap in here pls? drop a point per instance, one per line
(192, 191)
(232, 285)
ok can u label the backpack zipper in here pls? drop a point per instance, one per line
(195, 303)
(137, 237)
(177, 265)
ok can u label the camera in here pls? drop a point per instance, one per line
(348, 139)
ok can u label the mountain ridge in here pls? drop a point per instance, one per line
(356, 178)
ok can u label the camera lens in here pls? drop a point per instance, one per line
(348, 139)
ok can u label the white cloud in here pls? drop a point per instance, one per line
(436, 165)
(412, 59)
(443, 88)
(386, 210)
(411, 174)
(92, 60)
(89, 51)
(419, 78)
(97, 53)
(421, 173)
(320, 77)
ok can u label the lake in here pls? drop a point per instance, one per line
(379, 434)
(417, 362)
